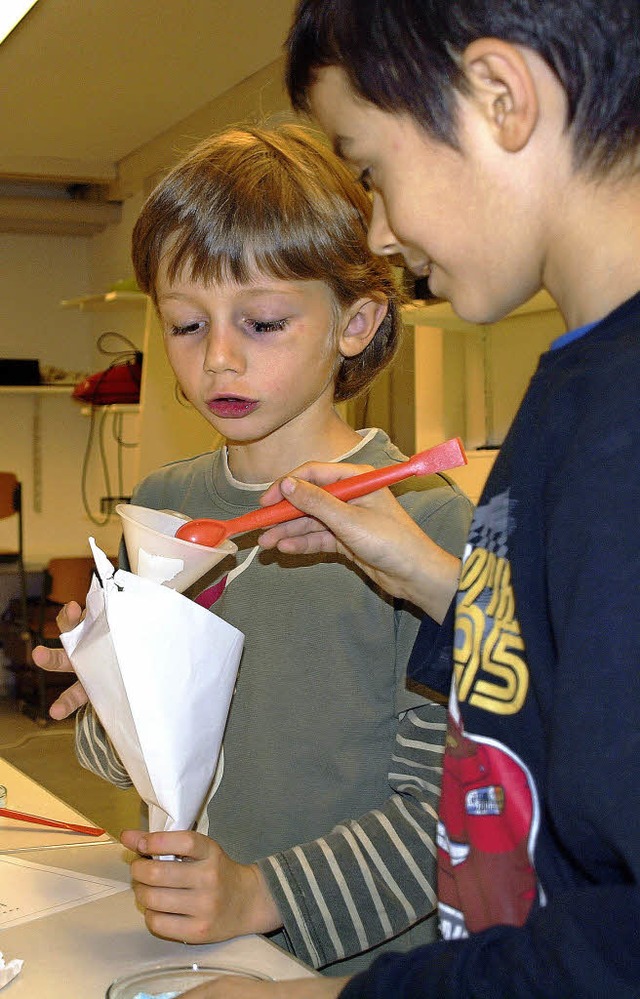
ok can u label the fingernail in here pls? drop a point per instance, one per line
(288, 486)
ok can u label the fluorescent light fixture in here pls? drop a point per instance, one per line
(11, 13)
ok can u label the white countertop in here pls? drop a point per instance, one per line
(77, 953)
(26, 795)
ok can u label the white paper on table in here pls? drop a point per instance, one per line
(9, 969)
(29, 891)
(160, 672)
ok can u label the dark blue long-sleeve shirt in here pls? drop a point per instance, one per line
(540, 813)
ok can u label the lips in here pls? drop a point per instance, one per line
(231, 407)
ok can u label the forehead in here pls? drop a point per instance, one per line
(340, 112)
(357, 128)
(259, 285)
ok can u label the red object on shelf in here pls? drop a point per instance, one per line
(118, 384)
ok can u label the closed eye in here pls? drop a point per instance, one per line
(188, 328)
(267, 325)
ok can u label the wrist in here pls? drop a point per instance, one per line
(263, 915)
(433, 579)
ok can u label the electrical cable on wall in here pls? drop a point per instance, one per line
(100, 522)
(122, 445)
(102, 390)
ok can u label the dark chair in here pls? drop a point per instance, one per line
(63, 579)
(14, 632)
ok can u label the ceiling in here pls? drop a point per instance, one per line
(84, 83)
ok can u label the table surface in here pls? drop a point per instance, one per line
(78, 952)
(26, 795)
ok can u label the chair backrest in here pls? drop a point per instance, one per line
(70, 579)
(9, 494)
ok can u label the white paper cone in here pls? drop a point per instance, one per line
(160, 672)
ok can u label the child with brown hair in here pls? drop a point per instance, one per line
(254, 251)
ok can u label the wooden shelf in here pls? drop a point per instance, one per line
(116, 407)
(109, 301)
(36, 389)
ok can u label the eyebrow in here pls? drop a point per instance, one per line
(251, 290)
(173, 296)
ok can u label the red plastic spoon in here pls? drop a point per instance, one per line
(212, 533)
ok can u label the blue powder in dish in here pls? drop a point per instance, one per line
(156, 995)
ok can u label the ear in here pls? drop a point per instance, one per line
(362, 321)
(504, 86)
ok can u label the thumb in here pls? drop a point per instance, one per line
(305, 496)
(337, 515)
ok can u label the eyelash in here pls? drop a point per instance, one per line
(365, 180)
(267, 325)
(187, 329)
(259, 326)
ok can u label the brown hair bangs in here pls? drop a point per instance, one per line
(261, 201)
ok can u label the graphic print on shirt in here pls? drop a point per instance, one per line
(489, 814)
(491, 671)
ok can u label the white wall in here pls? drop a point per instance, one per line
(36, 272)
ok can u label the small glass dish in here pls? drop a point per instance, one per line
(173, 980)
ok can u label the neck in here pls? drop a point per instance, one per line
(595, 262)
(290, 446)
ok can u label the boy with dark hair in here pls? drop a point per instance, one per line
(500, 140)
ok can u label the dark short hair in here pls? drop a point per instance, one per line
(276, 201)
(402, 56)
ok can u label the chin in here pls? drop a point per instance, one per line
(481, 308)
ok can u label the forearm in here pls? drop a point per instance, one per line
(318, 987)
(584, 943)
(94, 749)
(372, 877)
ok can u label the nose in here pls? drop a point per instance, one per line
(223, 350)
(381, 238)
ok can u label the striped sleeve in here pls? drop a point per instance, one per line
(96, 752)
(373, 877)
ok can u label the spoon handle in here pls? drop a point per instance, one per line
(39, 820)
(449, 454)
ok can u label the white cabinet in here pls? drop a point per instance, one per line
(458, 379)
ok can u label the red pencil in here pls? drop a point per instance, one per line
(39, 820)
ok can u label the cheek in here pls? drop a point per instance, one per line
(171, 350)
(279, 373)
(304, 359)
(413, 223)
(184, 361)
